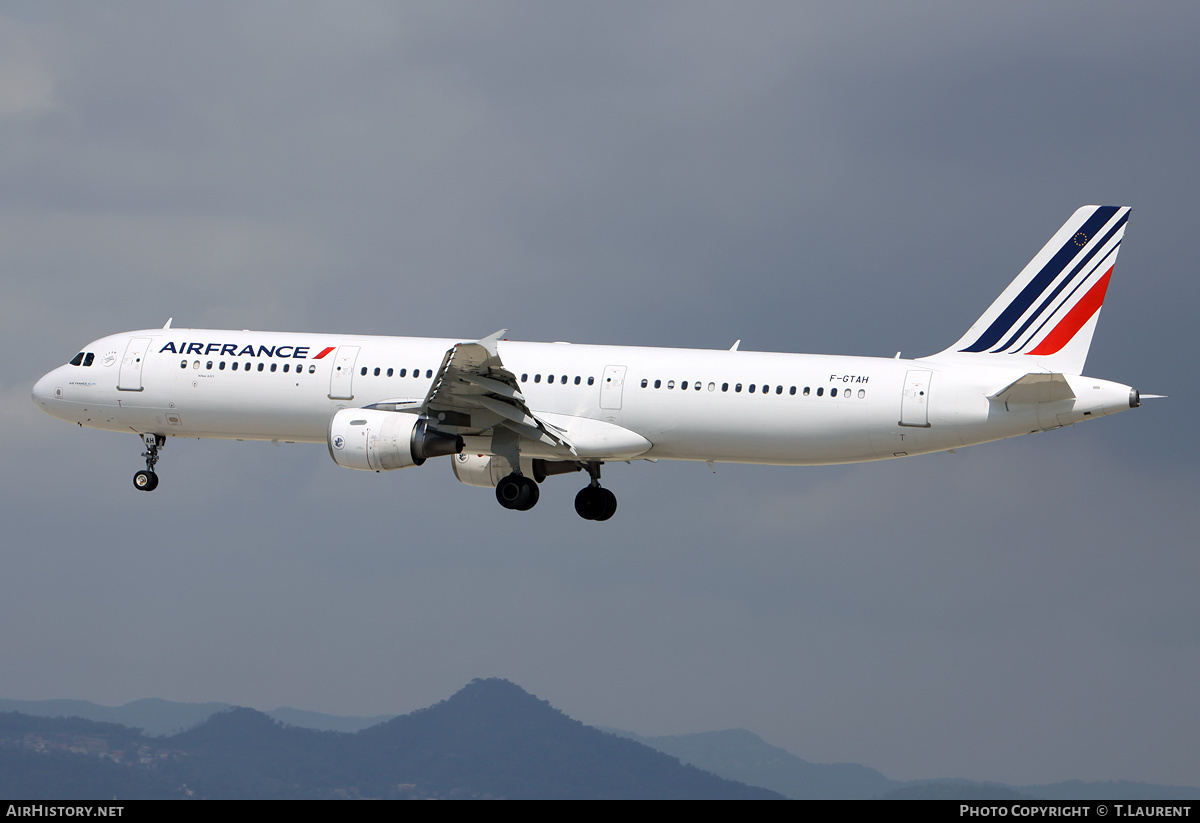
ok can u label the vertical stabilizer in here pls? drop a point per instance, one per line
(1046, 316)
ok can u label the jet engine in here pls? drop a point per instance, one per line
(375, 440)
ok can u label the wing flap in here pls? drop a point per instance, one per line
(474, 391)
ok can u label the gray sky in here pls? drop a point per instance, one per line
(849, 178)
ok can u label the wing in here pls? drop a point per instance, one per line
(474, 392)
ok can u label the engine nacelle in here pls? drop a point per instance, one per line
(374, 440)
(487, 470)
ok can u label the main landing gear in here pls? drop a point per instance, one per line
(594, 502)
(518, 492)
(147, 480)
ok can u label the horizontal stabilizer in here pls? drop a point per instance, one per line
(1036, 388)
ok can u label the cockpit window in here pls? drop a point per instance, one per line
(88, 358)
(77, 360)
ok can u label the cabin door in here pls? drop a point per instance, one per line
(341, 381)
(610, 389)
(914, 405)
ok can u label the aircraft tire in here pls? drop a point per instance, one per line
(608, 505)
(517, 492)
(530, 495)
(595, 503)
(146, 481)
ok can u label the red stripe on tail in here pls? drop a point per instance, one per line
(1079, 314)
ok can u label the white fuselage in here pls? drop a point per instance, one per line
(726, 406)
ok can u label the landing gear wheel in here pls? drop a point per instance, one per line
(146, 481)
(517, 492)
(608, 505)
(531, 495)
(595, 503)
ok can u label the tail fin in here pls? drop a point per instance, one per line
(1049, 312)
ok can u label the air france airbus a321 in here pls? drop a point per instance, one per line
(510, 414)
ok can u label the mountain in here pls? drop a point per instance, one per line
(744, 756)
(490, 740)
(164, 717)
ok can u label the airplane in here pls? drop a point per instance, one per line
(510, 414)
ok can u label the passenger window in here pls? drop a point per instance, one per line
(779, 389)
(670, 384)
(820, 391)
(792, 390)
(862, 393)
(577, 381)
(196, 364)
(833, 392)
(806, 391)
(563, 380)
(221, 366)
(208, 366)
(658, 384)
(524, 378)
(376, 371)
(738, 387)
(389, 372)
(364, 371)
(752, 388)
(645, 382)
(261, 366)
(183, 364)
(550, 378)
(285, 367)
(591, 380)
(537, 378)
(429, 372)
(724, 387)
(234, 365)
(273, 365)
(312, 369)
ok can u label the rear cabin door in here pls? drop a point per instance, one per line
(914, 405)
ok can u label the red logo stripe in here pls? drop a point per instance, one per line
(328, 349)
(1079, 314)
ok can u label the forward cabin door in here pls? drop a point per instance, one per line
(341, 381)
(914, 405)
(611, 387)
(130, 378)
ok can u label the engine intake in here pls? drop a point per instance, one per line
(373, 440)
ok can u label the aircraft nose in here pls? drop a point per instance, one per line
(45, 391)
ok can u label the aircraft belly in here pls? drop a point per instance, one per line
(792, 435)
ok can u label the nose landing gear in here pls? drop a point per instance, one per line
(147, 480)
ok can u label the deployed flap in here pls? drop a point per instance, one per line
(1034, 388)
(473, 390)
